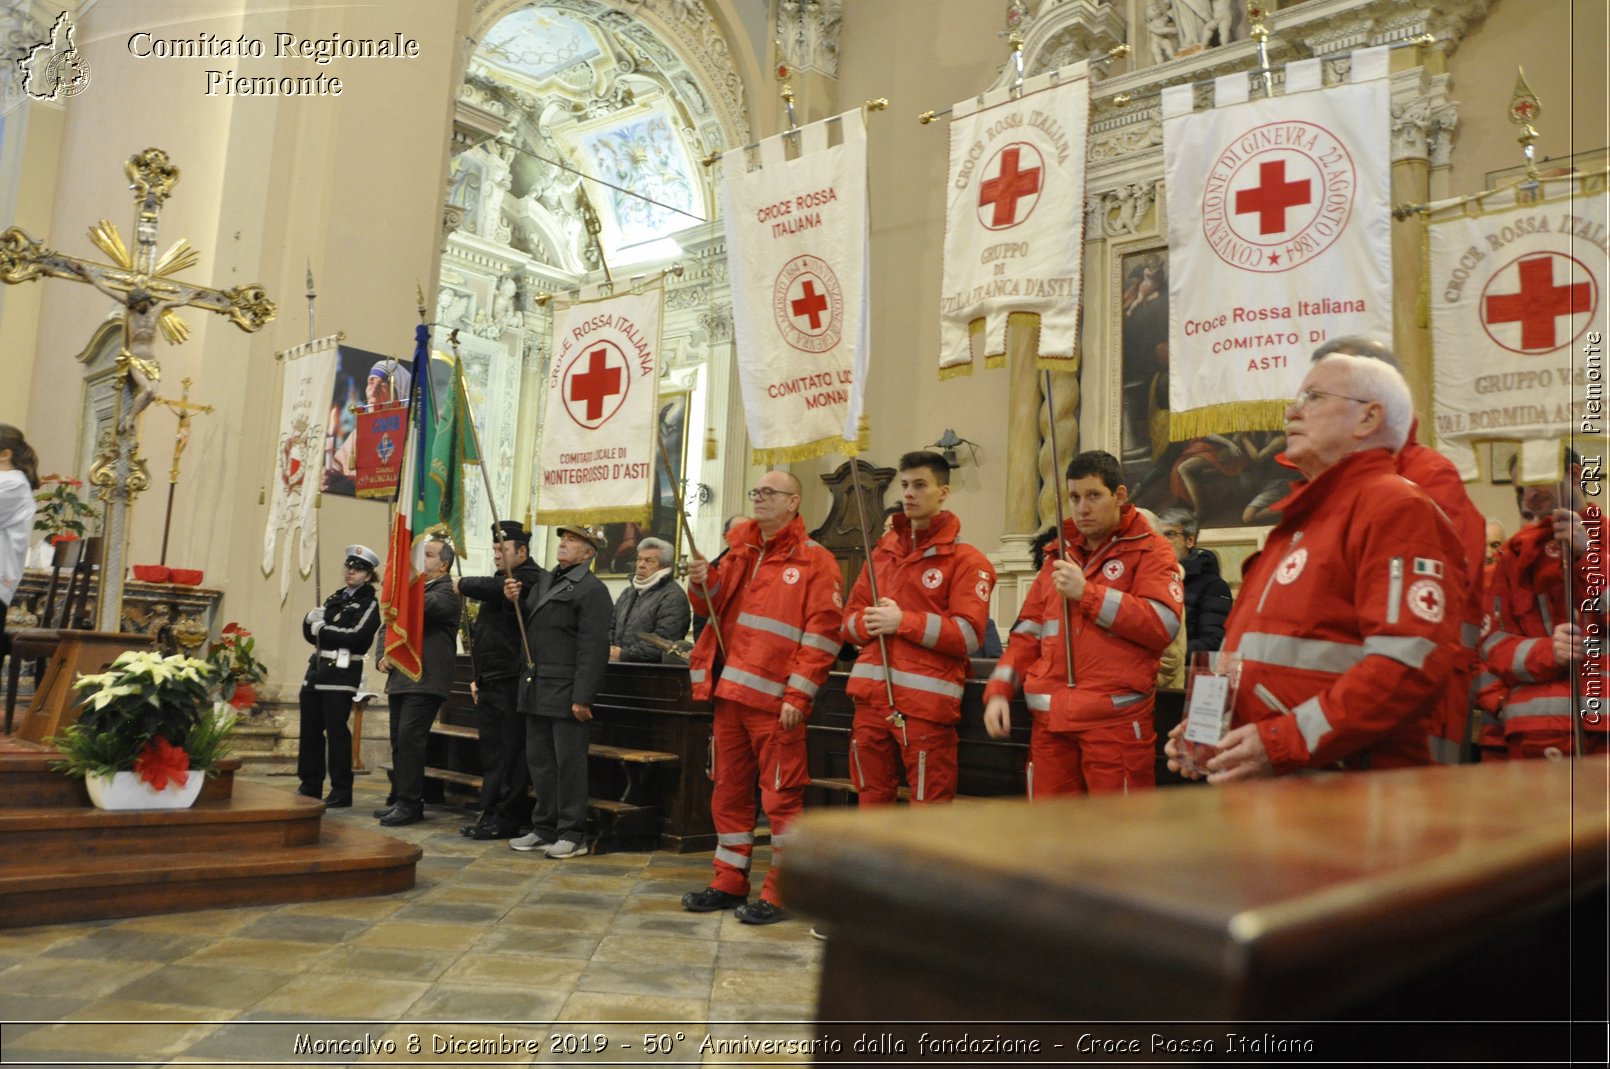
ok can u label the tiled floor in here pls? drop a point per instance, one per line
(489, 942)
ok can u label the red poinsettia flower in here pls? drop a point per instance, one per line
(161, 761)
(63, 536)
(233, 628)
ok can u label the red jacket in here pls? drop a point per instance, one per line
(1348, 620)
(943, 588)
(779, 606)
(1528, 604)
(1129, 613)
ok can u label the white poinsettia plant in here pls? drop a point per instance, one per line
(148, 714)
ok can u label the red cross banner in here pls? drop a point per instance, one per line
(1279, 237)
(797, 254)
(1517, 301)
(1014, 222)
(596, 458)
(299, 457)
(381, 431)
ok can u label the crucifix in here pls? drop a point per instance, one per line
(186, 410)
(142, 282)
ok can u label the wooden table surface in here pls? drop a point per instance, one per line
(1280, 899)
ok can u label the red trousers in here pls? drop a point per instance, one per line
(1525, 745)
(878, 749)
(749, 747)
(1108, 756)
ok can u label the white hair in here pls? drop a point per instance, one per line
(660, 546)
(1380, 382)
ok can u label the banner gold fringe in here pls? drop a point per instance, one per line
(955, 371)
(593, 517)
(1056, 363)
(811, 450)
(1227, 419)
(1422, 304)
(995, 361)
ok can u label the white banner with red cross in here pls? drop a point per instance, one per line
(797, 257)
(299, 457)
(1014, 223)
(597, 455)
(1517, 307)
(1279, 237)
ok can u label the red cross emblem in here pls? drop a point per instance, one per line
(1525, 300)
(1273, 194)
(1291, 567)
(1270, 204)
(595, 384)
(1426, 601)
(808, 304)
(1009, 197)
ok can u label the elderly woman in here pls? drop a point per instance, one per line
(654, 602)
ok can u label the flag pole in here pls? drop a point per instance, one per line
(682, 514)
(486, 480)
(872, 585)
(318, 490)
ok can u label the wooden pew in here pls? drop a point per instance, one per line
(1442, 893)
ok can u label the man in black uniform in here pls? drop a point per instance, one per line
(567, 617)
(500, 659)
(414, 702)
(340, 631)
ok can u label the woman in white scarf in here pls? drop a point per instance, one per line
(654, 602)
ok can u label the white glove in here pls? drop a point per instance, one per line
(315, 620)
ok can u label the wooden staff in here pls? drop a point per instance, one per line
(872, 585)
(682, 514)
(1062, 542)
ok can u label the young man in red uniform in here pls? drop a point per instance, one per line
(1347, 625)
(777, 597)
(1119, 592)
(932, 609)
(1536, 642)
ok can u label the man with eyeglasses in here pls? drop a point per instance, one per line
(1437, 476)
(1536, 642)
(778, 604)
(1347, 625)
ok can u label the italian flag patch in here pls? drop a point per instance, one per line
(1423, 566)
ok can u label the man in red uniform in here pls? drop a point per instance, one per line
(1347, 625)
(1436, 475)
(932, 609)
(777, 598)
(1536, 644)
(1119, 595)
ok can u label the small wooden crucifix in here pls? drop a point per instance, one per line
(143, 283)
(186, 410)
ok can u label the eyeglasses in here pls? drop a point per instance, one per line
(766, 493)
(1308, 397)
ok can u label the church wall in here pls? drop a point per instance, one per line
(353, 183)
(919, 56)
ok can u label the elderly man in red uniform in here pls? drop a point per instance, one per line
(931, 613)
(1119, 594)
(777, 597)
(1536, 643)
(1436, 475)
(1347, 626)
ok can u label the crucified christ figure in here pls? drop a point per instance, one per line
(137, 362)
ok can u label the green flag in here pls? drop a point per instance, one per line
(450, 443)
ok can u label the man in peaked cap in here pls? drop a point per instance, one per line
(498, 652)
(340, 630)
(567, 616)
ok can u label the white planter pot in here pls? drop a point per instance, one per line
(126, 790)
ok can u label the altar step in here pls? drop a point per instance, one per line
(241, 844)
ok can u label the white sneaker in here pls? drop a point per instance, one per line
(528, 842)
(565, 848)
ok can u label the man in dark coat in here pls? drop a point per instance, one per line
(499, 654)
(653, 603)
(414, 702)
(340, 630)
(567, 622)
(1207, 595)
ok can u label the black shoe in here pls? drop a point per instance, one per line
(382, 811)
(709, 900)
(761, 912)
(338, 799)
(484, 832)
(308, 792)
(397, 816)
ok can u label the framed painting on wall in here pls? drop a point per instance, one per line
(1228, 480)
(619, 555)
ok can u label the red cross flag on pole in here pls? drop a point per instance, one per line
(596, 458)
(1278, 238)
(1014, 222)
(1517, 301)
(796, 253)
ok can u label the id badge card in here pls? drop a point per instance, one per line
(1210, 699)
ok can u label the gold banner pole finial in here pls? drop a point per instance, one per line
(1524, 110)
(1258, 17)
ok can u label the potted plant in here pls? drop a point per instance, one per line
(60, 512)
(149, 733)
(236, 669)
